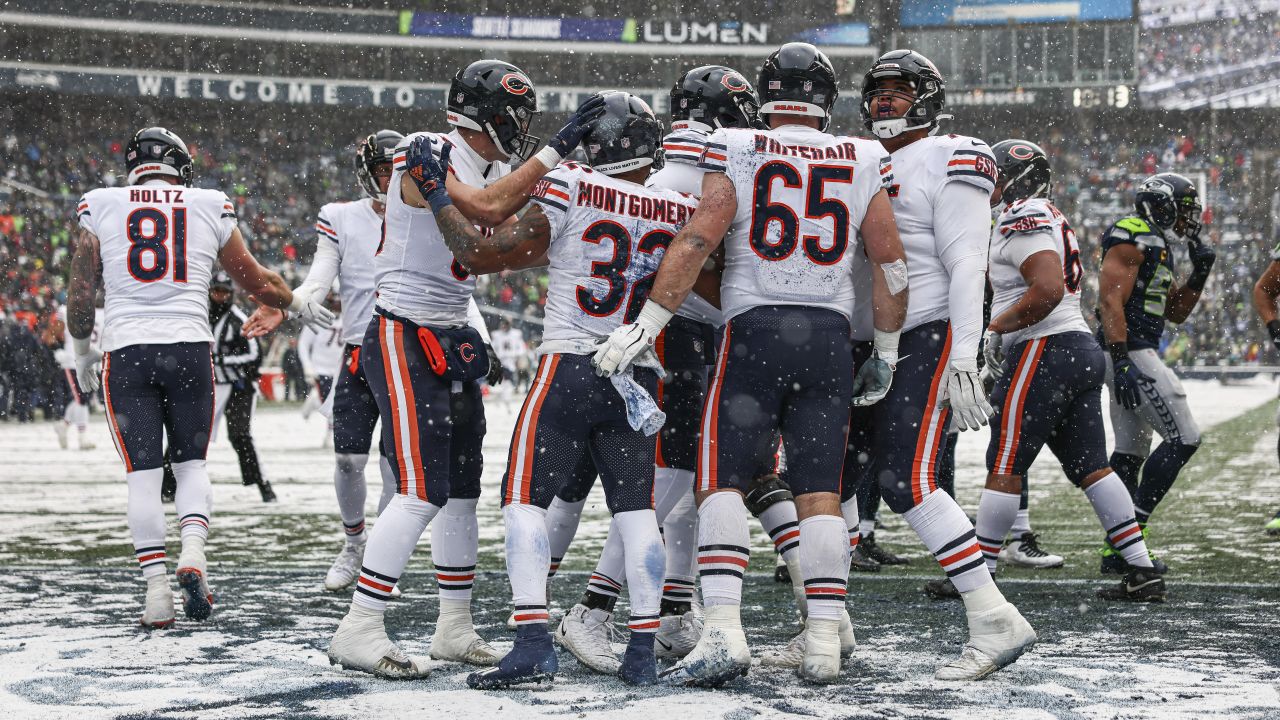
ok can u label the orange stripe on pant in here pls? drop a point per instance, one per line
(116, 437)
(520, 459)
(708, 467)
(1014, 402)
(403, 410)
(933, 426)
(660, 348)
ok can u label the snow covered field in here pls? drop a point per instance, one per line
(70, 596)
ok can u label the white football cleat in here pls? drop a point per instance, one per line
(997, 637)
(158, 611)
(821, 661)
(792, 655)
(361, 643)
(455, 638)
(345, 567)
(721, 654)
(86, 443)
(197, 599)
(1026, 552)
(678, 634)
(61, 429)
(587, 633)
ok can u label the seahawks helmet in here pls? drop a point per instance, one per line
(1171, 202)
(375, 150)
(928, 96)
(156, 151)
(798, 79)
(498, 99)
(625, 137)
(715, 96)
(1023, 169)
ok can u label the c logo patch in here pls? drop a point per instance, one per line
(515, 83)
(735, 82)
(1021, 152)
(467, 351)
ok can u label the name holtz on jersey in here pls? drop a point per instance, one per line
(416, 275)
(607, 236)
(802, 194)
(1023, 229)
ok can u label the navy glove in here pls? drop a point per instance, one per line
(428, 173)
(1202, 259)
(872, 381)
(494, 375)
(1128, 379)
(579, 124)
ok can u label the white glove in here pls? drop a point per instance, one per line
(993, 352)
(88, 365)
(615, 353)
(313, 314)
(969, 406)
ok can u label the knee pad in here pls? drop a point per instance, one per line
(766, 491)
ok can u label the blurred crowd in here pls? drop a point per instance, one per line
(279, 179)
(1233, 51)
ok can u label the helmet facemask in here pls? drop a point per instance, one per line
(917, 112)
(509, 131)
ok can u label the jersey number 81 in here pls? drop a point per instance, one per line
(148, 230)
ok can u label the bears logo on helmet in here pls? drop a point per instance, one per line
(735, 82)
(1021, 152)
(515, 83)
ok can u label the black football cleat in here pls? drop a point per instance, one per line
(268, 494)
(873, 551)
(859, 561)
(782, 573)
(942, 589)
(1139, 585)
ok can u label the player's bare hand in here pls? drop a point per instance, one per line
(263, 321)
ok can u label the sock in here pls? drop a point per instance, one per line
(77, 415)
(645, 567)
(780, 521)
(1111, 503)
(1127, 467)
(455, 541)
(348, 482)
(996, 512)
(146, 520)
(849, 511)
(387, 551)
(527, 559)
(562, 524)
(680, 538)
(945, 531)
(611, 571)
(389, 484)
(1022, 523)
(670, 486)
(193, 501)
(824, 561)
(724, 543)
(866, 527)
(1158, 476)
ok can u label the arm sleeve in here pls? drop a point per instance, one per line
(324, 267)
(962, 227)
(476, 320)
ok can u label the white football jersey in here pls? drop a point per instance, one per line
(1025, 228)
(608, 237)
(158, 243)
(415, 274)
(802, 195)
(915, 177)
(681, 150)
(68, 356)
(356, 230)
(321, 350)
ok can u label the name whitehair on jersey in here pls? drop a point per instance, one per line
(621, 202)
(843, 151)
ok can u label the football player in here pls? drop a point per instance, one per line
(77, 412)
(703, 100)
(1137, 294)
(423, 361)
(940, 187)
(1049, 370)
(1265, 293)
(321, 355)
(796, 203)
(154, 243)
(603, 234)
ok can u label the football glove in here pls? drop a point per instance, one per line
(1202, 259)
(872, 382)
(494, 375)
(88, 367)
(578, 126)
(1128, 382)
(428, 173)
(969, 406)
(993, 353)
(619, 350)
(313, 314)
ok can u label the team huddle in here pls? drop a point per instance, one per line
(746, 316)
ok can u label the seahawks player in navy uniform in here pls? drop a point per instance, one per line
(1137, 294)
